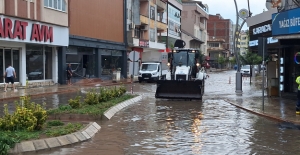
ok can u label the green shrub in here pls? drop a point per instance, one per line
(6, 142)
(91, 98)
(39, 112)
(64, 107)
(55, 123)
(75, 103)
(20, 120)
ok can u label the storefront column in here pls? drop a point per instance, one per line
(124, 65)
(98, 66)
(54, 65)
(22, 72)
(61, 53)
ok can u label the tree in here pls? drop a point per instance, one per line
(250, 59)
(221, 60)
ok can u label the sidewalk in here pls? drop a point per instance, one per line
(280, 109)
(56, 89)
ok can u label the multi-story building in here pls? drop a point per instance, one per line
(219, 27)
(194, 25)
(31, 34)
(243, 43)
(97, 41)
(172, 17)
(216, 49)
(146, 25)
(234, 26)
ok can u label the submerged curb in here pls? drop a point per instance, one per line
(49, 143)
(83, 135)
(114, 109)
(262, 114)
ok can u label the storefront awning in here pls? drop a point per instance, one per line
(294, 36)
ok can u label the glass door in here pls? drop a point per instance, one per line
(16, 62)
(1, 66)
(9, 57)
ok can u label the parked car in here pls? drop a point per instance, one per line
(245, 70)
(36, 74)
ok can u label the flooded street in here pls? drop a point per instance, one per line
(171, 127)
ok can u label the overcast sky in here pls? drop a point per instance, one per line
(227, 8)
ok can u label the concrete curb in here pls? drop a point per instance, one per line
(262, 114)
(113, 110)
(45, 144)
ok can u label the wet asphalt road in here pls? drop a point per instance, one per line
(171, 127)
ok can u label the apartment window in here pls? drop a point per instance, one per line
(129, 14)
(152, 12)
(213, 44)
(55, 4)
(152, 35)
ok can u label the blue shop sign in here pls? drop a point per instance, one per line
(285, 23)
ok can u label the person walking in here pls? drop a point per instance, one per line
(69, 74)
(9, 75)
(298, 96)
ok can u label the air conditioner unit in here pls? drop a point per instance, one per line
(131, 26)
(144, 27)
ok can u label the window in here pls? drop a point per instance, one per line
(152, 12)
(152, 35)
(38, 62)
(55, 4)
(213, 44)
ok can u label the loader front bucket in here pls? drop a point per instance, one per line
(173, 89)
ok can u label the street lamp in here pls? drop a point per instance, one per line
(243, 13)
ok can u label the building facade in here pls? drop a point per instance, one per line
(96, 43)
(172, 17)
(194, 25)
(243, 43)
(280, 28)
(218, 54)
(219, 27)
(31, 33)
(146, 27)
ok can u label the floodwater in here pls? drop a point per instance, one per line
(208, 127)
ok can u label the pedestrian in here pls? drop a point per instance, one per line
(298, 96)
(69, 74)
(9, 75)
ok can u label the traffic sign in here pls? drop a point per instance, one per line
(134, 56)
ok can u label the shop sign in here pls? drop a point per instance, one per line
(285, 23)
(262, 29)
(270, 40)
(144, 43)
(19, 30)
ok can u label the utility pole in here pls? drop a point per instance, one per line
(245, 14)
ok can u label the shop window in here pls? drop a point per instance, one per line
(55, 4)
(38, 62)
(111, 61)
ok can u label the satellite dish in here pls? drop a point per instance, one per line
(269, 4)
(279, 4)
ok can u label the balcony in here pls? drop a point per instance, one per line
(161, 26)
(144, 20)
(161, 6)
(201, 26)
(215, 48)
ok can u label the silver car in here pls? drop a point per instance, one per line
(245, 70)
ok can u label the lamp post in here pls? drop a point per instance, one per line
(239, 14)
